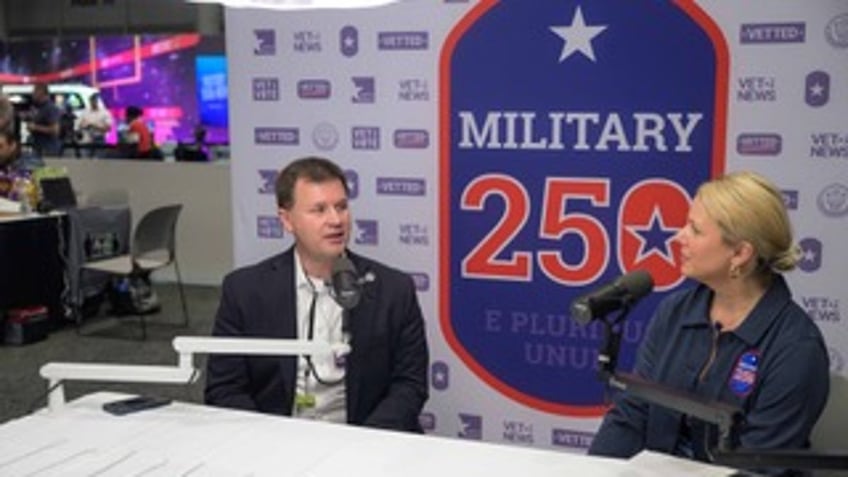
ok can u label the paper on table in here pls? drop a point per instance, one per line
(9, 206)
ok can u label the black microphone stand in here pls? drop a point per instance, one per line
(727, 418)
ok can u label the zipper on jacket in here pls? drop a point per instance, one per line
(716, 329)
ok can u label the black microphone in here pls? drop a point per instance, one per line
(624, 291)
(346, 283)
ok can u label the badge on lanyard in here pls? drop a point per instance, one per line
(304, 401)
(744, 374)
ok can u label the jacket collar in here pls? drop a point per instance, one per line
(758, 321)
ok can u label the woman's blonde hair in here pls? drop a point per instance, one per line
(748, 207)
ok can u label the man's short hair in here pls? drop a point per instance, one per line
(9, 135)
(42, 87)
(312, 169)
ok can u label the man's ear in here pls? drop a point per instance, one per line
(285, 219)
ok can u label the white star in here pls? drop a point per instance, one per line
(817, 89)
(577, 36)
(809, 256)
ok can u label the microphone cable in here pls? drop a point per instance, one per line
(310, 366)
(43, 395)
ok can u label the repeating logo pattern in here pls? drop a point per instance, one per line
(832, 201)
(471, 426)
(822, 309)
(789, 32)
(266, 89)
(325, 136)
(366, 232)
(314, 89)
(571, 139)
(265, 42)
(759, 144)
(401, 186)
(276, 135)
(571, 438)
(836, 31)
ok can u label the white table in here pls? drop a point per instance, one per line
(192, 440)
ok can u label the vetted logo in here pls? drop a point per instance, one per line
(836, 31)
(817, 89)
(439, 375)
(268, 178)
(811, 254)
(268, 226)
(265, 42)
(401, 186)
(365, 137)
(833, 200)
(411, 138)
(403, 40)
(759, 144)
(571, 438)
(325, 136)
(314, 89)
(471, 426)
(276, 135)
(789, 32)
(366, 232)
(365, 91)
(266, 89)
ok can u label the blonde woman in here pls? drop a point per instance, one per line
(736, 337)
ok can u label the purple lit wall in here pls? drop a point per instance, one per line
(155, 72)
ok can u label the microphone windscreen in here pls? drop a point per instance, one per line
(345, 283)
(638, 283)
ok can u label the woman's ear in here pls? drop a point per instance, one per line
(743, 254)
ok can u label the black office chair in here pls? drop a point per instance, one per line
(153, 247)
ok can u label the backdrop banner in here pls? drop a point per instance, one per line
(513, 155)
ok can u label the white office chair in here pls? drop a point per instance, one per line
(153, 247)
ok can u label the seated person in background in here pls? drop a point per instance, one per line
(737, 337)
(382, 382)
(195, 151)
(94, 123)
(13, 166)
(138, 135)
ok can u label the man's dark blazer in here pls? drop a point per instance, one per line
(386, 370)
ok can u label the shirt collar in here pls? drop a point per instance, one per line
(301, 281)
(758, 320)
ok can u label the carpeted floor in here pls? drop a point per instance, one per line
(108, 340)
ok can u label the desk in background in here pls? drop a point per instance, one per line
(31, 264)
(189, 439)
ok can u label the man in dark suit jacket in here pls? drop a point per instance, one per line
(384, 377)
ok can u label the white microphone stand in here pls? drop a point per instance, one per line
(185, 372)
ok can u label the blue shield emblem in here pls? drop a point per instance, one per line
(573, 135)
